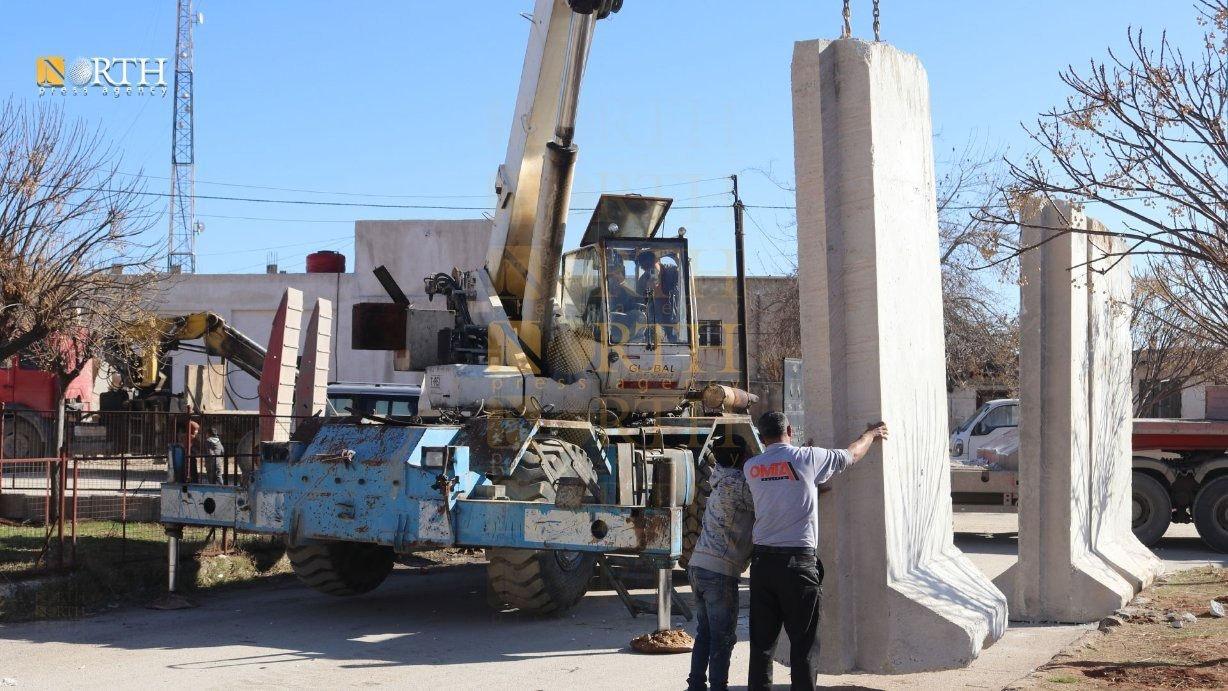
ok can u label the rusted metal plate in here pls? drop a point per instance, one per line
(494, 442)
(589, 528)
(378, 326)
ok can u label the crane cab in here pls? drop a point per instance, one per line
(625, 306)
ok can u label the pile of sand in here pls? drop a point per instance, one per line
(664, 642)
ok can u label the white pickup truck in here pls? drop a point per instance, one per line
(1180, 471)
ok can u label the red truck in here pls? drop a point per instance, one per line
(1180, 471)
(29, 397)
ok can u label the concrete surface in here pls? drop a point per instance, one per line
(281, 368)
(902, 596)
(1074, 438)
(311, 387)
(435, 632)
(1111, 409)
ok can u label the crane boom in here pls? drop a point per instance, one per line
(534, 183)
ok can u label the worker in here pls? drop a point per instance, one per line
(191, 432)
(622, 296)
(214, 453)
(720, 556)
(785, 575)
(659, 284)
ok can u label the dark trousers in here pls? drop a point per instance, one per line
(784, 590)
(716, 614)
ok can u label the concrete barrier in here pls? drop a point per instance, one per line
(1078, 560)
(898, 595)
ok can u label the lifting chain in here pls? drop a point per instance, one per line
(847, 31)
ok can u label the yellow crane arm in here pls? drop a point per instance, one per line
(220, 340)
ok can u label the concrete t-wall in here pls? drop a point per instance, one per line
(1074, 438)
(899, 596)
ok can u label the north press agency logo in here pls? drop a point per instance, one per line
(108, 76)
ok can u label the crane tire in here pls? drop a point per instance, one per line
(542, 581)
(341, 568)
(693, 517)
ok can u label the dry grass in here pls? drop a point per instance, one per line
(1146, 652)
(117, 565)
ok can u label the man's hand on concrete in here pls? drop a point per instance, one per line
(877, 430)
(874, 431)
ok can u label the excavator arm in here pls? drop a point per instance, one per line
(219, 338)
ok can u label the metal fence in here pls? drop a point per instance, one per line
(97, 501)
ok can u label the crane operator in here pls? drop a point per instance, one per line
(626, 309)
(659, 285)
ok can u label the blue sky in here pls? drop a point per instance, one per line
(414, 100)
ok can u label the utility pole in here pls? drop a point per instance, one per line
(181, 243)
(740, 258)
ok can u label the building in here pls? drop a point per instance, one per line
(411, 251)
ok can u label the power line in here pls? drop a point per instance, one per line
(314, 202)
(276, 220)
(372, 195)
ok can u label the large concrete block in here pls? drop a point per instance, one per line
(1111, 410)
(1074, 432)
(898, 595)
(276, 389)
(311, 388)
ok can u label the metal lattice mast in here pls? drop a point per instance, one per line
(181, 249)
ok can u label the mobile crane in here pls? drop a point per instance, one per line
(571, 424)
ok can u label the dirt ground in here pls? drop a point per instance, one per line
(1141, 649)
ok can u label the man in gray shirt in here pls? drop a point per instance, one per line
(785, 574)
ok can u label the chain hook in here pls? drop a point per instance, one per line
(847, 32)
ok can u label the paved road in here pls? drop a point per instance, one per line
(434, 631)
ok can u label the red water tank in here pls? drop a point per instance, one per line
(326, 262)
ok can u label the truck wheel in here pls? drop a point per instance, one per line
(23, 437)
(341, 568)
(541, 581)
(693, 517)
(1151, 508)
(1211, 513)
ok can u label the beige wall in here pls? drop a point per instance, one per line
(411, 250)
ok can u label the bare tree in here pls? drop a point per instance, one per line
(1143, 135)
(1171, 353)
(982, 330)
(76, 274)
(980, 325)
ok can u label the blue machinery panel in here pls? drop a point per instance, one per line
(373, 483)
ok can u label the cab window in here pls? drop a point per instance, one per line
(646, 290)
(1002, 416)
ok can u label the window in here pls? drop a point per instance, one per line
(404, 408)
(581, 292)
(1167, 405)
(711, 332)
(1003, 416)
(646, 288)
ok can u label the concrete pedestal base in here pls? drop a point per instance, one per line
(898, 595)
(1078, 560)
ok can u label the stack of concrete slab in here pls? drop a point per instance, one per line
(899, 597)
(1078, 559)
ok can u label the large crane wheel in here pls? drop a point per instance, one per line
(341, 568)
(541, 581)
